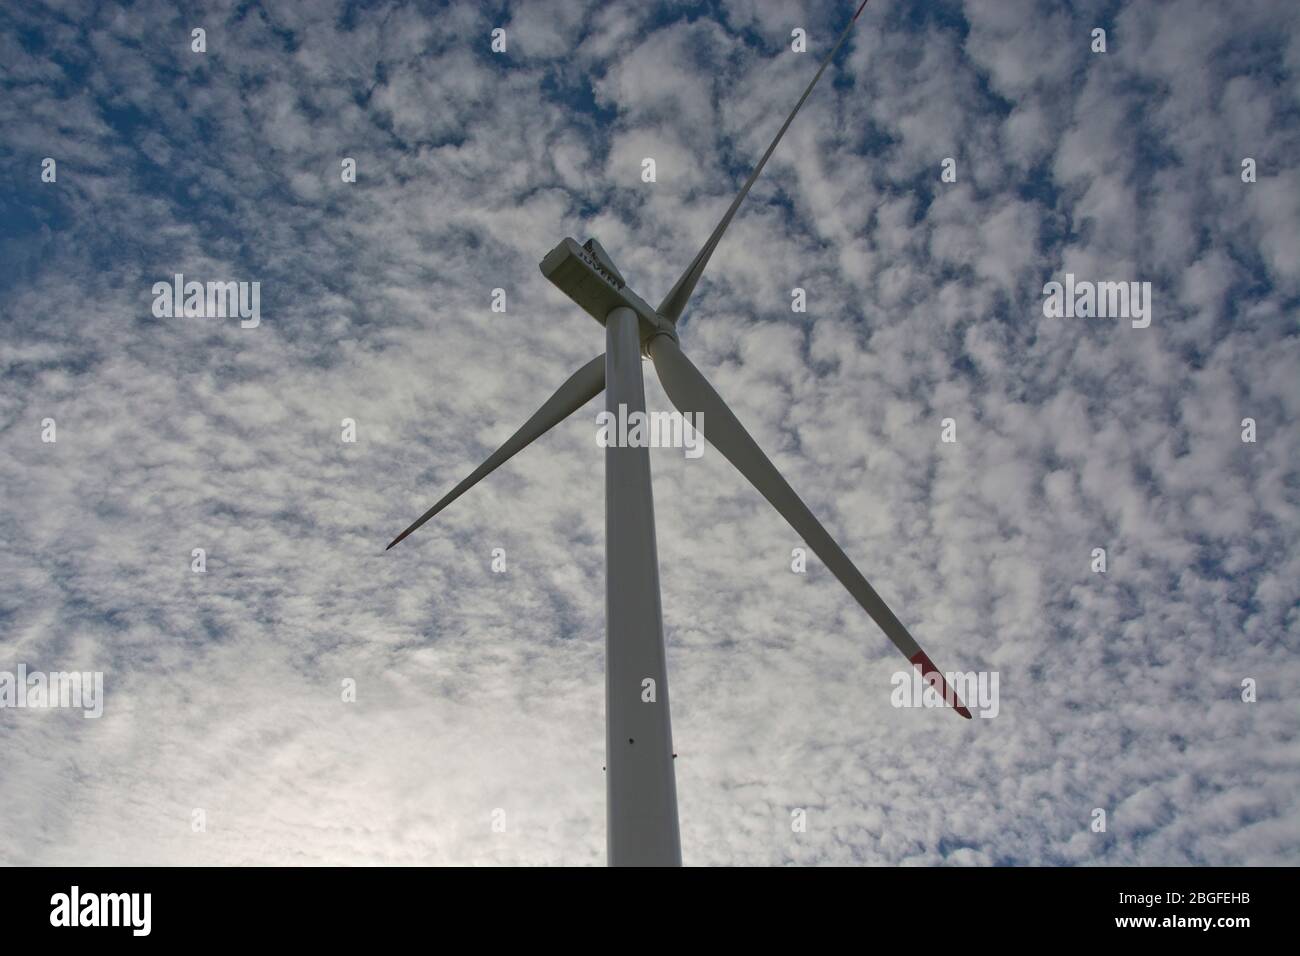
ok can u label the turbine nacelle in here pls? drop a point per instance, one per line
(588, 276)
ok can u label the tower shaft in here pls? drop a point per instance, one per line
(641, 787)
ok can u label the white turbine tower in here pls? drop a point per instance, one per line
(641, 787)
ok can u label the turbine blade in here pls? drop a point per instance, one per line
(690, 391)
(583, 385)
(673, 304)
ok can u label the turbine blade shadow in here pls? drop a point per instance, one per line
(581, 387)
(690, 391)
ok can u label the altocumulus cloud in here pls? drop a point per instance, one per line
(478, 691)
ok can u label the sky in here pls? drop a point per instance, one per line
(1161, 691)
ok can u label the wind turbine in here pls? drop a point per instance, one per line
(641, 788)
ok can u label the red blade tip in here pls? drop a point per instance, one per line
(931, 675)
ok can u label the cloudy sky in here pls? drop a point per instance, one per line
(478, 691)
